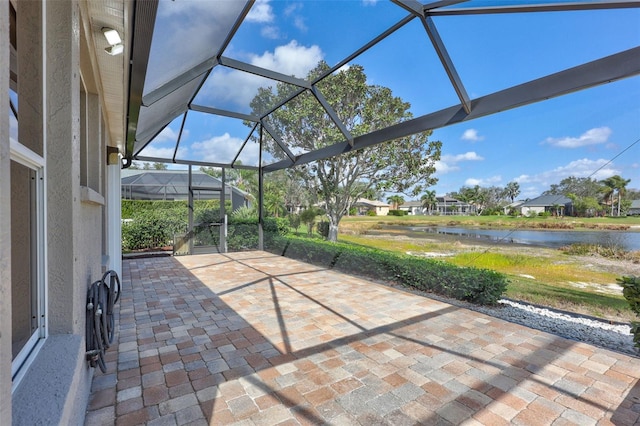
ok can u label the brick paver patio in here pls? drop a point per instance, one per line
(253, 338)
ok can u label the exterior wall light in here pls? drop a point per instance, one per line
(115, 42)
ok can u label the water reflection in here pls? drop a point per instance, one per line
(544, 238)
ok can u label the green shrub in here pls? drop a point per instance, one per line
(480, 286)
(631, 291)
(151, 230)
(244, 213)
(371, 213)
(294, 221)
(397, 213)
(308, 217)
(243, 232)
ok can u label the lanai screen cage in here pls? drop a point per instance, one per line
(197, 66)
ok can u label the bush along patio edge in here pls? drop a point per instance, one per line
(631, 291)
(479, 286)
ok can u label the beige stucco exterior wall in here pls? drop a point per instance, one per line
(5, 223)
(58, 381)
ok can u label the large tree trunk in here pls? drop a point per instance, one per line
(334, 221)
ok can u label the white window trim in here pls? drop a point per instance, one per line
(19, 366)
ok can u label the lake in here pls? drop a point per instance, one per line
(544, 238)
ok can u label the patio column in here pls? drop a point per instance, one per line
(190, 234)
(223, 215)
(260, 196)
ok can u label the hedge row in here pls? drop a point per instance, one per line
(134, 208)
(631, 291)
(154, 228)
(479, 286)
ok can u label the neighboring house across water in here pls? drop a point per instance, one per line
(174, 185)
(554, 204)
(363, 206)
(635, 208)
(450, 206)
(444, 206)
(515, 206)
(413, 208)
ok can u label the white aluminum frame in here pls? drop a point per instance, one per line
(26, 157)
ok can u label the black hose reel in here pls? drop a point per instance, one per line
(102, 295)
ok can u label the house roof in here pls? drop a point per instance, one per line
(635, 204)
(410, 204)
(547, 201)
(370, 203)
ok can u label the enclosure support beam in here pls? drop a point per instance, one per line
(223, 215)
(190, 207)
(260, 193)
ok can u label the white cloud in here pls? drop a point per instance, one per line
(222, 149)
(593, 136)
(270, 31)
(449, 163)
(261, 12)
(246, 85)
(467, 156)
(166, 152)
(167, 134)
(581, 168)
(493, 180)
(299, 23)
(369, 2)
(471, 135)
(290, 59)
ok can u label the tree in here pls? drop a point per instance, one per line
(429, 200)
(512, 190)
(615, 185)
(395, 201)
(620, 186)
(585, 206)
(404, 165)
(308, 217)
(608, 190)
(581, 187)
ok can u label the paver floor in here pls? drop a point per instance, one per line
(254, 338)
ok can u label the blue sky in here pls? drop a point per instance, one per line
(537, 145)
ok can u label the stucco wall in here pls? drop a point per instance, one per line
(5, 225)
(58, 381)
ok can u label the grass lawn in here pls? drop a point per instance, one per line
(541, 276)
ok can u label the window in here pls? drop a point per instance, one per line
(28, 281)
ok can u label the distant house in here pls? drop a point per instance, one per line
(174, 185)
(363, 206)
(412, 207)
(555, 204)
(635, 208)
(515, 206)
(450, 206)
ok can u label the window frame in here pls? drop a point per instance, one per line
(20, 364)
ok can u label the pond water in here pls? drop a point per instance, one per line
(544, 238)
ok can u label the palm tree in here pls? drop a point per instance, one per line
(512, 190)
(429, 200)
(608, 189)
(620, 186)
(395, 201)
(615, 184)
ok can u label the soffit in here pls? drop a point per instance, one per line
(110, 72)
